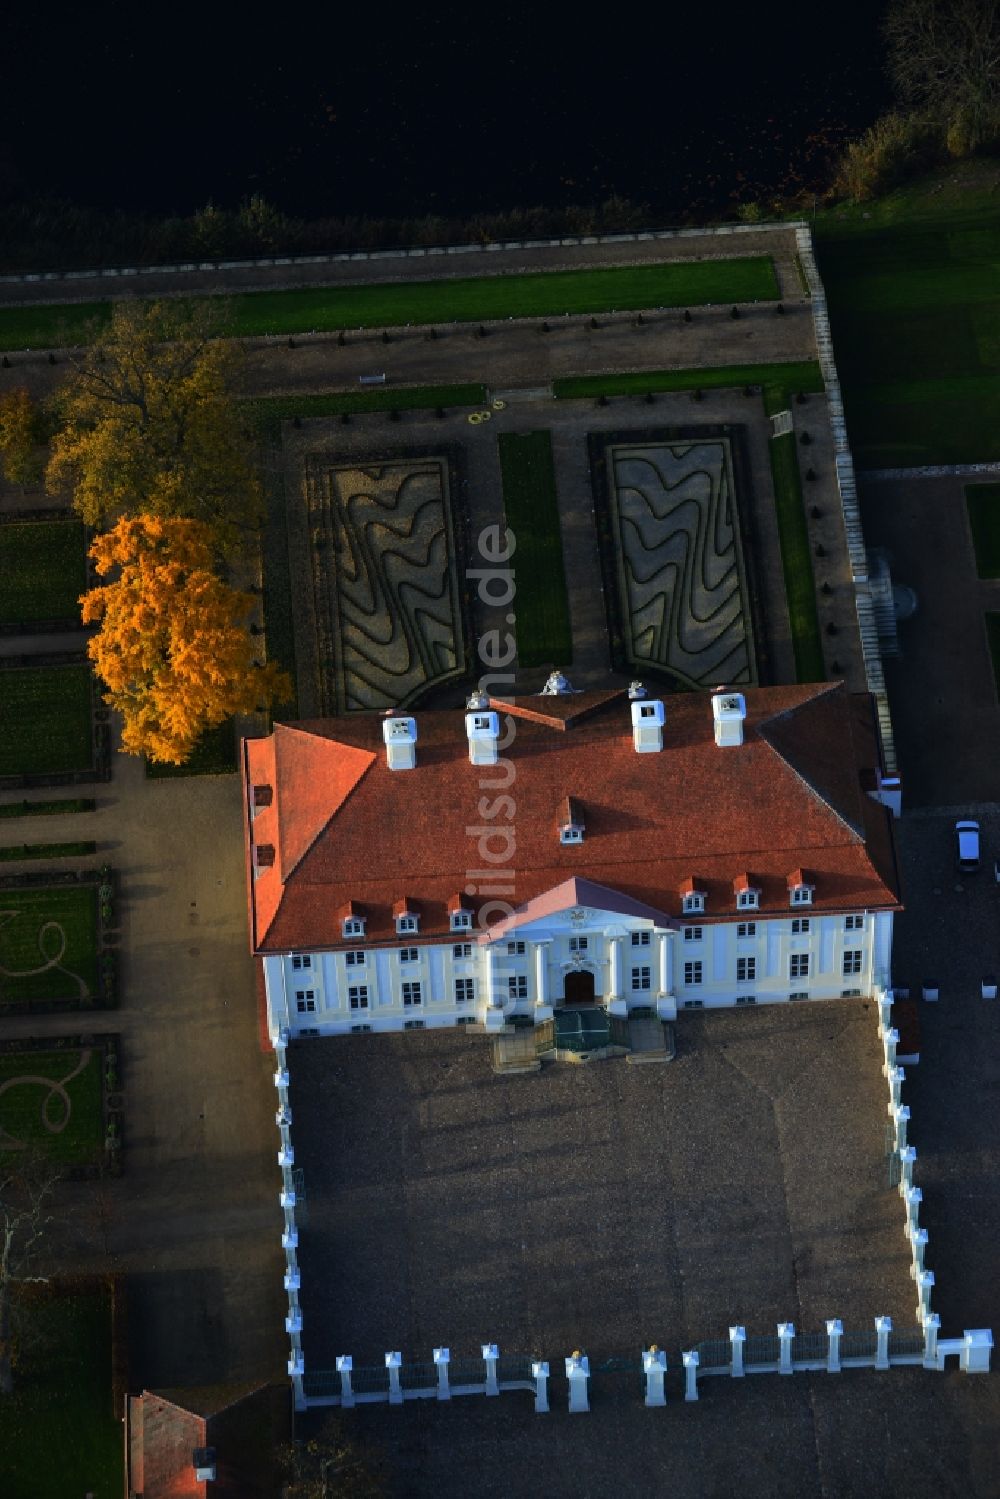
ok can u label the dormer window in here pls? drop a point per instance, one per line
(461, 921)
(406, 916)
(747, 900)
(570, 821)
(264, 855)
(409, 923)
(263, 796)
(693, 903)
(800, 888)
(353, 926)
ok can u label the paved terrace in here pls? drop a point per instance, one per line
(602, 1206)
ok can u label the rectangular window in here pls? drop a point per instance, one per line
(850, 993)
(462, 950)
(800, 925)
(640, 939)
(747, 900)
(798, 965)
(692, 973)
(465, 991)
(802, 895)
(305, 1001)
(301, 960)
(694, 1004)
(413, 1025)
(693, 903)
(461, 921)
(357, 996)
(354, 926)
(693, 933)
(465, 1020)
(578, 944)
(746, 970)
(852, 961)
(408, 954)
(359, 1030)
(406, 923)
(642, 978)
(746, 929)
(801, 995)
(515, 949)
(854, 923)
(411, 994)
(517, 986)
(308, 1030)
(746, 999)
(355, 958)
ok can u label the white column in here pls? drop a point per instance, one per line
(918, 1243)
(654, 1366)
(884, 1012)
(907, 1159)
(925, 1286)
(494, 1001)
(896, 1077)
(913, 1197)
(932, 1326)
(666, 1000)
(293, 1279)
(786, 1332)
(617, 1003)
(900, 1114)
(392, 1363)
(690, 1362)
(737, 1337)
(345, 1364)
(442, 1358)
(540, 1374)
(578, 1373)
(890, 1041)
(976, 1350)
(883, 1327)
(296, 1373)
(293, 1322)
(543, 1010)
(491, 1354)
(834, 1332)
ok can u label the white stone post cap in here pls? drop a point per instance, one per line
(577, 1364)
(786, 1329)
(691, 1359)
(902, 1111)
(345, 1363)
(892, 1034)
(933, 1319)
(393, 1360)
(978, 1337)
(442, 1355)
(540, 1371)
(834, 1327)
(908, 1153)
(490, 1350)
(296, 1365)
(914, 1194)
(926, 1278)
(653, 1358)
(883, 1324)
(920, 1236)
(737, 1334)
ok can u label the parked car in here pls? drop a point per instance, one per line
(967, 850)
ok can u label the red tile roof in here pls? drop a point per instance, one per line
(346, 828)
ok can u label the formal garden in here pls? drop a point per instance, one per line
(43, 572)
(46, 719)
(49, 945)
(51, 1102)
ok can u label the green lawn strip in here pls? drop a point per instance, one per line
(48, 809)
(24, 1111)
(58, 1433)
(268, 412)
(462, 300)
(544, 636)
(213, 755)
(779, 381)
(47, 850)
(42, 570)
(45, 723)
(983, 503)
(796, 561)
(33, 925)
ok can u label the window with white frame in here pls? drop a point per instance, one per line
(360, 1030)
(694, 1004)
(357, 996)
(465, 1019)
(693, 902)
(746, 970)
(413, 1025)
(748, 900)
(854, 923)
(355, 957)
(801, 994)
(411, 993)
(305, 1001)
(798, 965)
(801, 895)
(642, 978)
(800, 926)
(408, 954)
(579, 944)
(465, 991)
(407, 923)
(301, 960)
(462, 950)
(516, 949)
(517, 986)
(746, 929)
(693, 972)
(693, 933)
(850, 993)
(640, 939)
(571, 833)
(354, 926)
(461, 921)
(746, 999)
(852, 961)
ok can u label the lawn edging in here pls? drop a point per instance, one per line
(13, 851)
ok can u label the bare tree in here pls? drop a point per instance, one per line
(26, 1183)
(944, 60)
(329, 1465)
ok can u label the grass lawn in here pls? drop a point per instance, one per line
(983, 502)
(779, 381)
(796, 559)
(45, 723)
(213, 755)
(541, 605)
(21, 1106)
(42, 570)
(53, 808)
(268, 413)
(58, 1433)
(34, 924)
(464, 300)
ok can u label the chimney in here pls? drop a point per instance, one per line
(204, 1464)
(729, 709)
(400, 738)
(482, 729)
(647, 725)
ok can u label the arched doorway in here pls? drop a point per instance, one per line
(579, 987)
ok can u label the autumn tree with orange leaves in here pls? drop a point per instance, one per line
(173, 649)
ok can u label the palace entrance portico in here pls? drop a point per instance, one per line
(579, 987)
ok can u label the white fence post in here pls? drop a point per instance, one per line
(896, 1077)
(490, 1355)
(345, 1363)
(900, 1117)
(296, 1373)
(976, 1349)
(913, 1197)
(883, 1327)
(690, 1362)
(907, 1161)
(932, 1326)
(737, 1337)
(925, 1285)
(540, 1374)
(890, 1041)
(578, 1373)
(834, 1333)
(918, 1243)
(392, 1363)
(654, 1366)
(442, 1358)
(786, 1332)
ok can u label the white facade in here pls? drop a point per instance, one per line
(631, 963)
